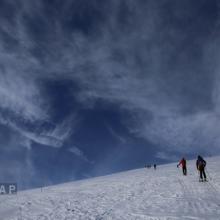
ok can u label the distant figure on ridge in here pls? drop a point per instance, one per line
(200, 165)
(155, 166)
(183, 163)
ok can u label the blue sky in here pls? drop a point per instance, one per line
(89, 88)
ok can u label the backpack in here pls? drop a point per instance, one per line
(201, 164)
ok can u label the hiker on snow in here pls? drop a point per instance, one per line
(200, 165)
(183, 163)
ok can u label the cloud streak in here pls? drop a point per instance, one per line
(75, 150)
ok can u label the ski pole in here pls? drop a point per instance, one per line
(208, 174)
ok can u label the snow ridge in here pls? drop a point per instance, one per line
(142, 194)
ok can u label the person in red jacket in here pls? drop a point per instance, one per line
(183, 163)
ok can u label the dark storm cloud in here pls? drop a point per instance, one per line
(157, 60)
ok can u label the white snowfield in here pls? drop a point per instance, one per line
(138, 194)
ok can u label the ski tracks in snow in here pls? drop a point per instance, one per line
(200, 198)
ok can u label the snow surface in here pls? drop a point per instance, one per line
(137, 194)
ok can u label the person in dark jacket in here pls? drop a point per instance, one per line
(200, 165)
(183, 163)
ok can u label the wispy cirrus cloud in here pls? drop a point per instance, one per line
(137, 55)
(21, 76)
(21, 96)
(54, 137)
(79, 153)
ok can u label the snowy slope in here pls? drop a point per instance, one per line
(137, 194)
